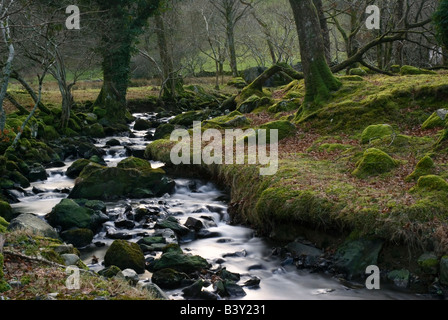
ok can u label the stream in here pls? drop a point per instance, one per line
(234, 247)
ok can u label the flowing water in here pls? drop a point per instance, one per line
(226, 245)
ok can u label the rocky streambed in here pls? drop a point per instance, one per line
(172, 231)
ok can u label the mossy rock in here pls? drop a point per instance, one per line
(109, 272)
(400, 278)
(69, 132)
(33, 224)
(180, 262)
(333, 147)
(134, 163)
(285, 129)
(234, 119)
(395, 68)
(74, 125)
(68, 214)
(79, 237)
(95, 131)
(125, 255)
(358, 72)
(142, 125)
(50, 133)
(431, 183)
(376, 132)
(6, 211)
(76, 168)
(3, 225)
(18, 178)
(434, 121)
(168, 278)
(252, 103)
(186, 119)
(285, 106)
(410, 70)
(103, 183)
(424, 167)
(353, 257)
(99, 112)
(374, 162)
(428, 263)
(164, 130)
(237, 82)
(443, 273)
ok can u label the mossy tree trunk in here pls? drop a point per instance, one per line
(319, 80)
(116, 69)
(125, 20)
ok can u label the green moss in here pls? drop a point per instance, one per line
(358, 72)
(410, 70)
(164, 131)
(100, 112)
(50, 133)
(187, 118)
(374, 162)
(237, 82)
(434, 121)
(6, 210)
(4, 286)
(95, 131)
(424, 167)
(431, 183)
(134, 163)
(332, 147)
(157, 150)
(252, 103)
(376, 132)
(428, 263)
(285, 129)
(3, 225)
(76, 168)
(395, 68)
(285, 106)
(125, 255)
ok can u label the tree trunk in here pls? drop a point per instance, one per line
(67, 103)
(324, 27)
(116, 69)
(14, 102)
(319, 80)
(169, 79)
(15, 75)
(230, 32)
(6, 72)
(25, 123)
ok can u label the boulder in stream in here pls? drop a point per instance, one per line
(103, 183)
(68, 214)
(34, 224)
(125, 255)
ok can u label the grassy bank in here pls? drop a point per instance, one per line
(333, 175)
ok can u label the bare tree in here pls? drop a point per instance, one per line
(5, 7)
(231, 11)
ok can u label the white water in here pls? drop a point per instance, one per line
(198, 198)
